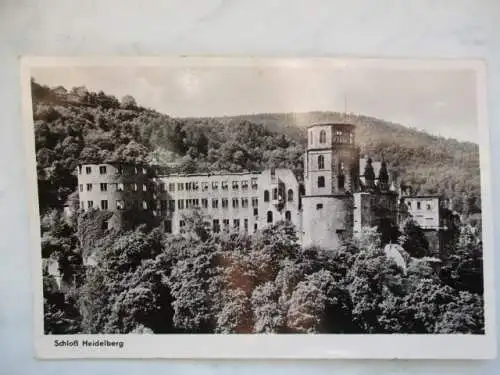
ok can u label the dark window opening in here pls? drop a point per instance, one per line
(321, 162)
(319, 206)
(269, 216)
(341, 181)
(266, 196)
(290, 195)
(321, 181)
(216, 226)
(168, 226)
(102, 169)
(288, 216)
(322, 136)
(341, 233)
(163, 204)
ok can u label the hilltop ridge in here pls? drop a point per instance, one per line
(76, 125)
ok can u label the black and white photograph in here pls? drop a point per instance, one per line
(247, 199)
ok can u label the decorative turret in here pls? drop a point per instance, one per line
(383, 177)
(369, 174)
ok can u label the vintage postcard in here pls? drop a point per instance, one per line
(229, 207)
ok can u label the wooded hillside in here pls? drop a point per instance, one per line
(76, 125)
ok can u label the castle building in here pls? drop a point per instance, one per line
(433, 215)
(234, 201)
(341, 193)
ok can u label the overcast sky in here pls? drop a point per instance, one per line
(440, 102)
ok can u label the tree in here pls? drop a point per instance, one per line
(60, 313)
(128, 102)
(267, 311)
(190, 283)
(463, 269)
(413, 239)
(125, 289)
(310, 303)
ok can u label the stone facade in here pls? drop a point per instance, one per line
(233, 201)
(336, 199)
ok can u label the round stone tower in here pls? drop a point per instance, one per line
(331, 176)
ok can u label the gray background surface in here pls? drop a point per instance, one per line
(366, 28)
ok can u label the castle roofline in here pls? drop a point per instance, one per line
(208, 174)
(423, 196)
(120, 163)
(225, 173)
(335, 124)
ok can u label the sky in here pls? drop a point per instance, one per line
(438, 101)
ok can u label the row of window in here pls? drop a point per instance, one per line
(170, 205)
(120, 205)
(340, 182)
(277, 195)
(195, 203)
(321, 164)
(419, 205)
(103, 170)
(338, 137)
(195, 185)
(188, 186)
(216, 225)
(118, 187)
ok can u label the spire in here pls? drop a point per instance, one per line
(345, 107)
(369, 174)
(383, 176)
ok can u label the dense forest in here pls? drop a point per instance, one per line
(148, 281)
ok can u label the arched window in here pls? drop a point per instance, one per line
(338, 136)
(269, 216)
(322, 136)
(290, 195)
(288, 216)
(266, 195)
(321, 181)
(321, 162)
